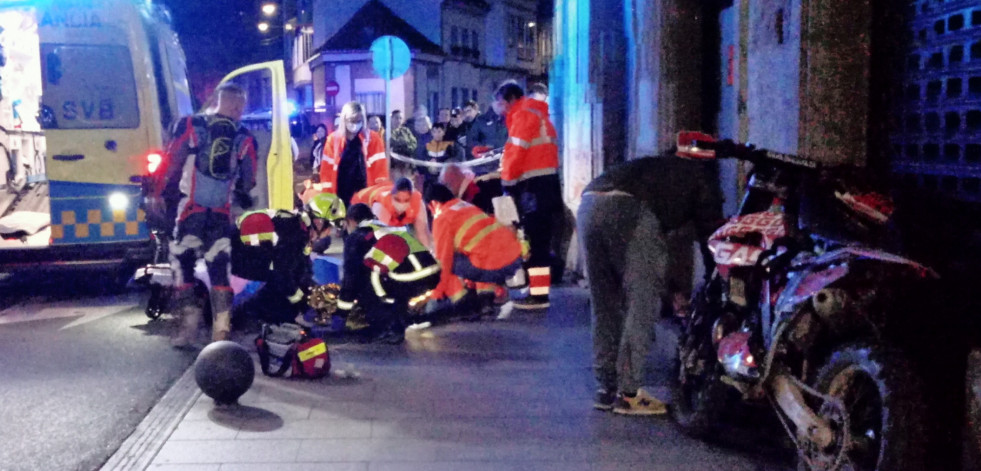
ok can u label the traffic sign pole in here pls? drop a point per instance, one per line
(390, 59)
(388, 104)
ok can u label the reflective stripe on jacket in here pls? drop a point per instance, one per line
(462, 228)
(373, 146)
(400, 256)
(531, 149)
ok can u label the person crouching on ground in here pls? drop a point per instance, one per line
(470, 245)
(397, 205)
(625, 218)
(273, 247)
(384, 268)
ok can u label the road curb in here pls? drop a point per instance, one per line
(138, 451)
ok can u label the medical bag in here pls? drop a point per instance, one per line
(287, 350)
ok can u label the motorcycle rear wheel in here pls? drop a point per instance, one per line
(884, 403)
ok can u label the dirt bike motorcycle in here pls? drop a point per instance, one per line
(801, 313)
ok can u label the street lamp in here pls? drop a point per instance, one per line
(269, 9)
(263, 27)
(531, 24)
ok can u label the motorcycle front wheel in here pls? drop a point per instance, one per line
(698, 402)
(881, 417)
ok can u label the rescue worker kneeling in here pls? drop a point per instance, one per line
(274, 247)
(397, 205)
(470, 245)
(384, 268)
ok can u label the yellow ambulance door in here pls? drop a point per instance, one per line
(267, 118)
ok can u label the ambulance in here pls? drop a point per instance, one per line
(88, 92)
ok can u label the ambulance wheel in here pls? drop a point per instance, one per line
(156, 305)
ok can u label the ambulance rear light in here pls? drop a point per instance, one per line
(153, 162)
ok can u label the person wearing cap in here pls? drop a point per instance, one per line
(625, 219)
(454, 129)
(384, 269)
(397, 205)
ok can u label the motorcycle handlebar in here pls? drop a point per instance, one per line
(727, 148)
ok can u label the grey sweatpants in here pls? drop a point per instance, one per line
(626, 262)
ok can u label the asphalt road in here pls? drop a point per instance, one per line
(80, 368)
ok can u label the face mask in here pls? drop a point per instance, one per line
(400, 207)
(354, 127)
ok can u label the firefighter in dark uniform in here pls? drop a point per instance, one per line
(384, 269)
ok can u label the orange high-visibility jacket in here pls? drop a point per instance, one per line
(531, 149)
(371, 194)
(460, 227)
(382, 194)
(376, 163)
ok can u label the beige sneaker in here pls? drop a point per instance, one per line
(641, 404)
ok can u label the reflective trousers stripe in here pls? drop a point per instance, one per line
(416, 275)
(296, 297)
(376, 284)
(345, 305)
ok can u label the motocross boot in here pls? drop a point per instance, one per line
(221, 306)
(189, 310)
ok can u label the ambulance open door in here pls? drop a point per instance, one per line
(267, 117)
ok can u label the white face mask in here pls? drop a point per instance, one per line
(400, 207)
(354, 127)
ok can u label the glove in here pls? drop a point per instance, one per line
(243, 199)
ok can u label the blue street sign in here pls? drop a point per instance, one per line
(390, 57)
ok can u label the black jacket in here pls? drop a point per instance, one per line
(357, 276)
(676, 190)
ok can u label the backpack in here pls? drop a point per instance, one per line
(215, 156)
(287, 350)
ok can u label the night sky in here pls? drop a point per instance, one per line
(219, 36)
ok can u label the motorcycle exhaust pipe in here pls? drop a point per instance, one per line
(809, 426)
(829, 302)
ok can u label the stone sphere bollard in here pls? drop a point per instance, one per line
(224, 371)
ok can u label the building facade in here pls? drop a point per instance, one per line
(789, 75)
(461, 50)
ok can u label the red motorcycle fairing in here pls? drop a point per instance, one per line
(821, 272)
(736, 356)
(727, 253)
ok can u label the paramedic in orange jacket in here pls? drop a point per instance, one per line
(530, 175)
(470, 245)
(397, 206)
(353, 156)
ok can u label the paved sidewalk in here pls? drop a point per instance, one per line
(493, 395)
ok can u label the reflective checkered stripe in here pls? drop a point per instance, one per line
(80, 213)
